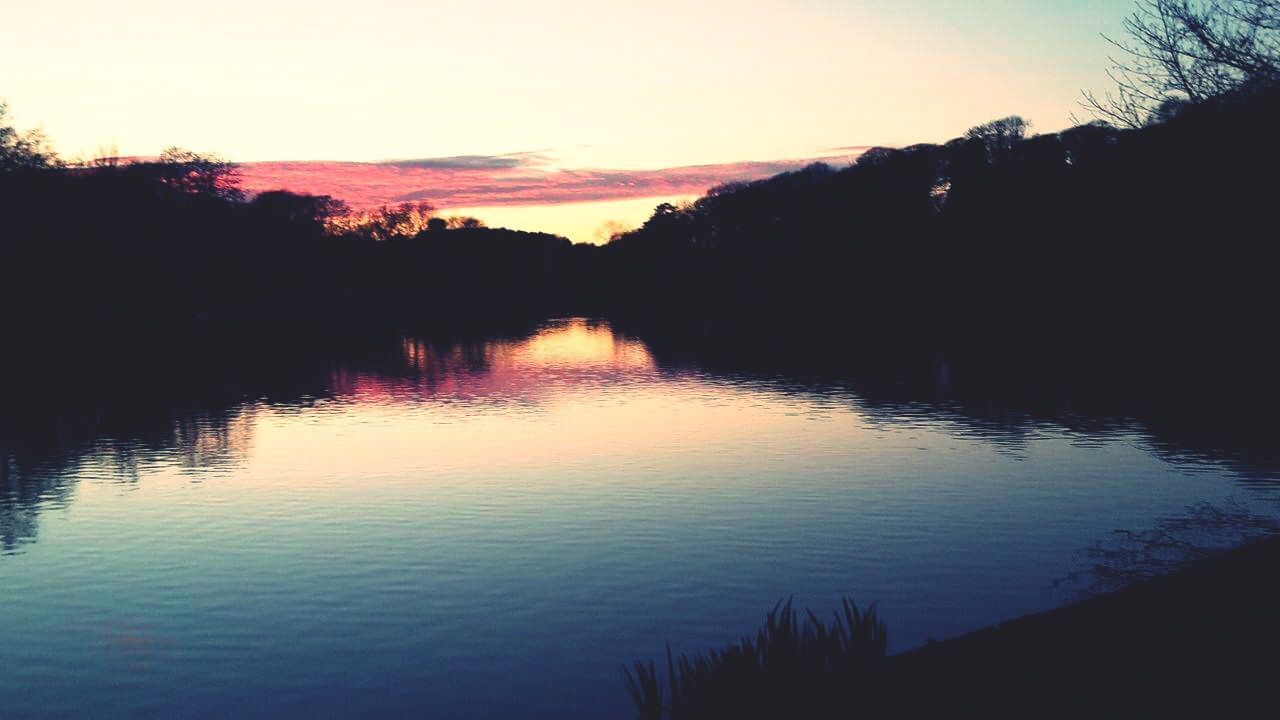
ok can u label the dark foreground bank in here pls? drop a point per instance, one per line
(1201, 642)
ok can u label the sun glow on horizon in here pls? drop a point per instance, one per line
(585, 222)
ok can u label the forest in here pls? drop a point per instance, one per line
(1156, 214)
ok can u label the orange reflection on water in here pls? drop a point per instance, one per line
(578, 343)
(576, 349)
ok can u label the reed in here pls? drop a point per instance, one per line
(796, 665)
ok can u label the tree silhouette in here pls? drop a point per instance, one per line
(190, 173)
(405, 220)
(1000, 137)
(611, 229)
(282, 206)
(21, 150)
(460, 223)
(1181, 52)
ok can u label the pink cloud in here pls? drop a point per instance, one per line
(475, 181)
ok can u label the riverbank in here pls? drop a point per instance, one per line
(1200, 642)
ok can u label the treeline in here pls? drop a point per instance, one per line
(1171, 221)
(165, 239)
(1155, 218)
(111, 243)
(1158, 222)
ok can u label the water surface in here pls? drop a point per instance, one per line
(492, 527)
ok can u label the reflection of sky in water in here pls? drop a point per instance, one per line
(491, 529)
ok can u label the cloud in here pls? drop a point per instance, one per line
(511, 179)
(849, 149)
(472, 162)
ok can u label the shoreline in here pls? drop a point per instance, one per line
(1199, 641)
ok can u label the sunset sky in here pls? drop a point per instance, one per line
(489, 87)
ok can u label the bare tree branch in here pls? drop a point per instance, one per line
(1188, 51)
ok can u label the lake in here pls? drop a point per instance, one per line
(482, 527)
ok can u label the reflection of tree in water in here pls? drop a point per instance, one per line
(1186, 401)
(115, 418)
(1131, 556)
(35, 473)
(195, 407)
(203, 442)
(20, 501)
(189, 403)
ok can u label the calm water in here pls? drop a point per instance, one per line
(491, 528)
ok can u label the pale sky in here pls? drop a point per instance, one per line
(582, 83)
(597, 83)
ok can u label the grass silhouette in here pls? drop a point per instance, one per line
(797, 665)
